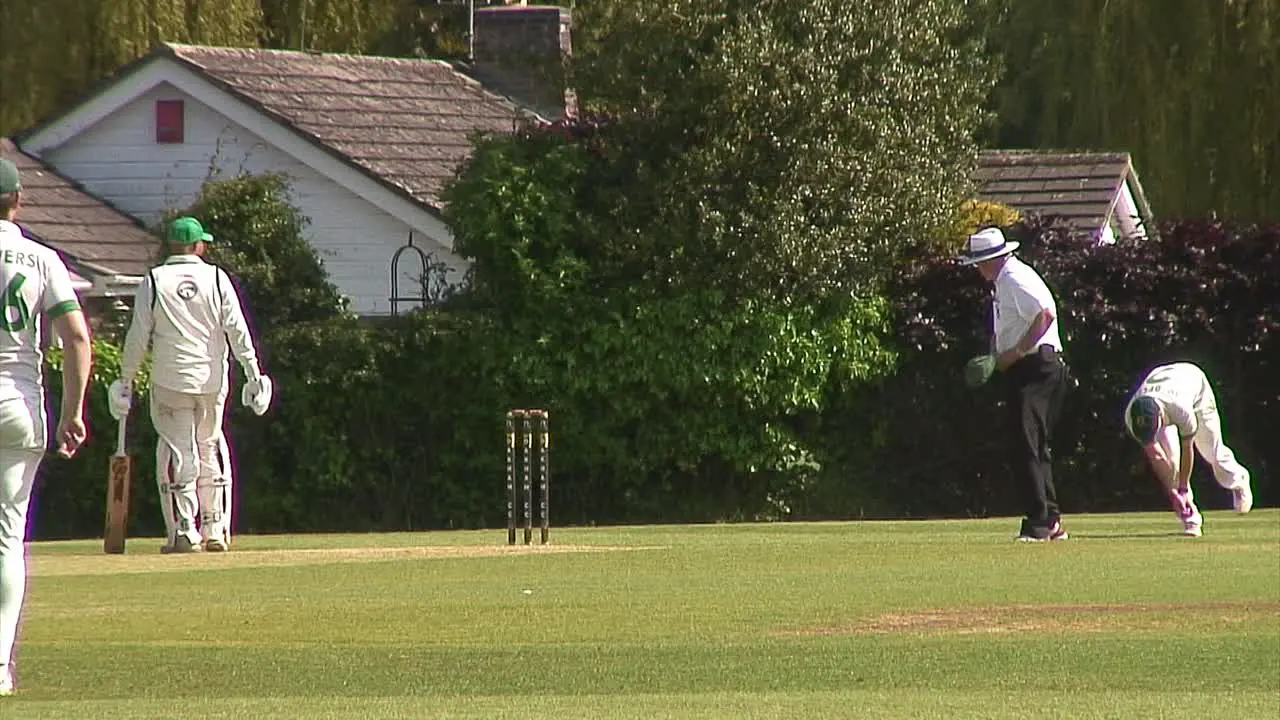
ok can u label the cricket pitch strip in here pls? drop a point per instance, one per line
(150, 560)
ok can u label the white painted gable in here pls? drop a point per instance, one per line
(356, 225)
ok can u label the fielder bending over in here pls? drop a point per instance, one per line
(36, 286)
(1173, 415)
(188, 312)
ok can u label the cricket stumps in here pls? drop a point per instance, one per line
(528, 454)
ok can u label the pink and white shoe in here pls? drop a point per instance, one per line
(1242, 499)
(1191, 525)
(6, 681)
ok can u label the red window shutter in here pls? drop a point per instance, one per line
(169, 121)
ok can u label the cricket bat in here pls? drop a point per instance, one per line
(118, 481)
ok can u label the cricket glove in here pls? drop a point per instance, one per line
(256, 394)
(119, 399)
(979, 370)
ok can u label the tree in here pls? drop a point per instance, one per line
(796, 146)
(689, 272)
(1190, 87)
(68, 45)
(329, 25)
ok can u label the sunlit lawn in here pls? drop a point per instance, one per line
(859, 620)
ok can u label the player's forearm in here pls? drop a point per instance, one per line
(246, 354)
(136, 340)
(1039, 326)
(1162, 466)
(131, 360)
(1165, 474)
(1186, 462)
(77, 360)
(241, 340)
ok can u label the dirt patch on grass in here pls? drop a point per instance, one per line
(1059, 618)
(148, 561)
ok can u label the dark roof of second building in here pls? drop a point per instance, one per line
(1080, 188)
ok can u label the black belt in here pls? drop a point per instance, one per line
(1044, 353)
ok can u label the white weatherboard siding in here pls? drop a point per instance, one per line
(118, 159)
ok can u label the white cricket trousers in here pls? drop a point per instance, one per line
(1208, 443)
(22, 441)
(187, 448)
(213, 490)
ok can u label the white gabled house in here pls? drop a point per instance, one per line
(368, 143)
(106, 250)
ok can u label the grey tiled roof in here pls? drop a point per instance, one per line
(1081, 188)
(405, 122)
(56, 212)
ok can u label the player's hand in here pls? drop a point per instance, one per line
(1181, 505)
(1006, 359)
(71, 435)
(119, 399)
(256, 394)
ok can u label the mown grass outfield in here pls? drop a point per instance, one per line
(947, 619)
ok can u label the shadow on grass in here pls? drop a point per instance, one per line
(1124, 535)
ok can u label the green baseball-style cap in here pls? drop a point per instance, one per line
(9, 182)
(1144, 415)
(188, 231)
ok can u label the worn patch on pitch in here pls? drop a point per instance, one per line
(148, 562)
(1058, 618)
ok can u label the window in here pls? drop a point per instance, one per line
(169, 121)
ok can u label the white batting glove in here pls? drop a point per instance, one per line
(256, 394)
(119, 399)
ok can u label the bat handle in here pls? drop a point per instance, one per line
(120, 435)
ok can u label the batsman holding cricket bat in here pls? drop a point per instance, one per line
(36, 286)
(188, 312)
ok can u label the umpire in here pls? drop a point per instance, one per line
(1027, 349)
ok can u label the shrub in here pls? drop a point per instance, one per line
(1203, 292)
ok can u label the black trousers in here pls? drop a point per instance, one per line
(1037, 386)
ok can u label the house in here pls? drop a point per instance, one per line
(368, 143)
(1096, 194)
(106, 250)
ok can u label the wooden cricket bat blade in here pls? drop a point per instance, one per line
(118, 481)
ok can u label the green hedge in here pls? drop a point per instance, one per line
(399, 425)
(1205, 291)
(71, 494)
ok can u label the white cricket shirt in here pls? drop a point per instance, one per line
(1020, 295)
(34, 281)
(1179, 390)
(188, 311)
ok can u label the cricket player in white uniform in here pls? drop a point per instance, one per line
(36, 285)
(1173, 415)
(213, 490)
(188, 312)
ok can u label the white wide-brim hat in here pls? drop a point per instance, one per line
(987, 244)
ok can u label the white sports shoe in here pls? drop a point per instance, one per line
(1242, 499)
(180, 545)
(216, 544)
(1191, 525)
(6, 681)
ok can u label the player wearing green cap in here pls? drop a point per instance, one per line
(189, 314)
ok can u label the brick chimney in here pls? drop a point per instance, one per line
(519, 51)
